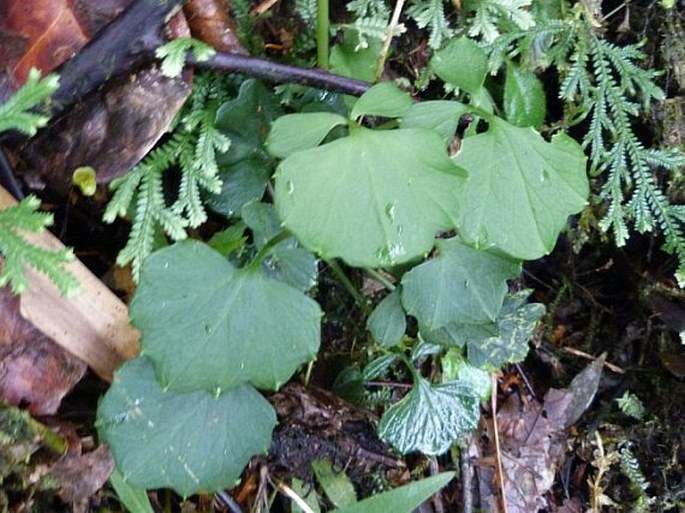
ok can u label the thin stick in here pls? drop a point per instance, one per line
(290, 493)
(394, 21)
(498, 456)
(282, 73)
(380, 278)
(608, 365)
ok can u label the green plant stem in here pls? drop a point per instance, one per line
(349, 286)
(380, 278)
(322, 28)
(266, 249)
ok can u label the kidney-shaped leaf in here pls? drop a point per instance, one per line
(521, 189)
(430, 418)
(461, 284)
(207, 325)
(190, 441)
(373, 198)
(401, 500)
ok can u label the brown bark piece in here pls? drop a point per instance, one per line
(34, 371)
(93, 325)
(110, 131)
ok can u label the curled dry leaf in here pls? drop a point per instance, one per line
(34, 370)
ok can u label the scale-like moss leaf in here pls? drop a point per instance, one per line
(461, 284)
(374, 198)
(430, 418)
(521, 189)
(190, 441)
(208, 325)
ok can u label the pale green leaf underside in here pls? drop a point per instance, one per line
(387, 322)
(373, 198)
(186, 441)
(440, 115)
(401, 500)
(461, 284)
(384, 99)
(207, 325)
(430, 418)
(296, 132)
(521, 189)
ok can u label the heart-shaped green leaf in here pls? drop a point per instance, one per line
(387, 322)
(430, 418)
(521, 189)
(461, 284)
(190, 441)
(375, 198)
(207, 325)
(384, 99)
(296, 132)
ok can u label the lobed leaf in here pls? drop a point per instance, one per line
(208, 325)
(372, 198)
(190, 442)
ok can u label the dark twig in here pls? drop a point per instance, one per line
(282, 73)
(7, 178)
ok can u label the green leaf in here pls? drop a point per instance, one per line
(292, 265)
(229, 240)
(516, 323)
(430, 418)
(191, 441)
(461, 63)
(15, 114)
(296, 132)
(401, 500)
(457, 334)
(440, 115)
(373, 198)
(377, 367)
(173, 54)
(387, 323)
(455, 367)
(462, 285)
(350, 61)
(521, 189)
(524, 97)
(208, 325)
(134, 499)
(336, 484)
(384, 99)
(18, 252)
(263, 220)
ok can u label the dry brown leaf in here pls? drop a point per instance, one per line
(34, 371)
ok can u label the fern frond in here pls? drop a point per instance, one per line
(17, 252)
(15, 114)
(193, 148)
(431, 14)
